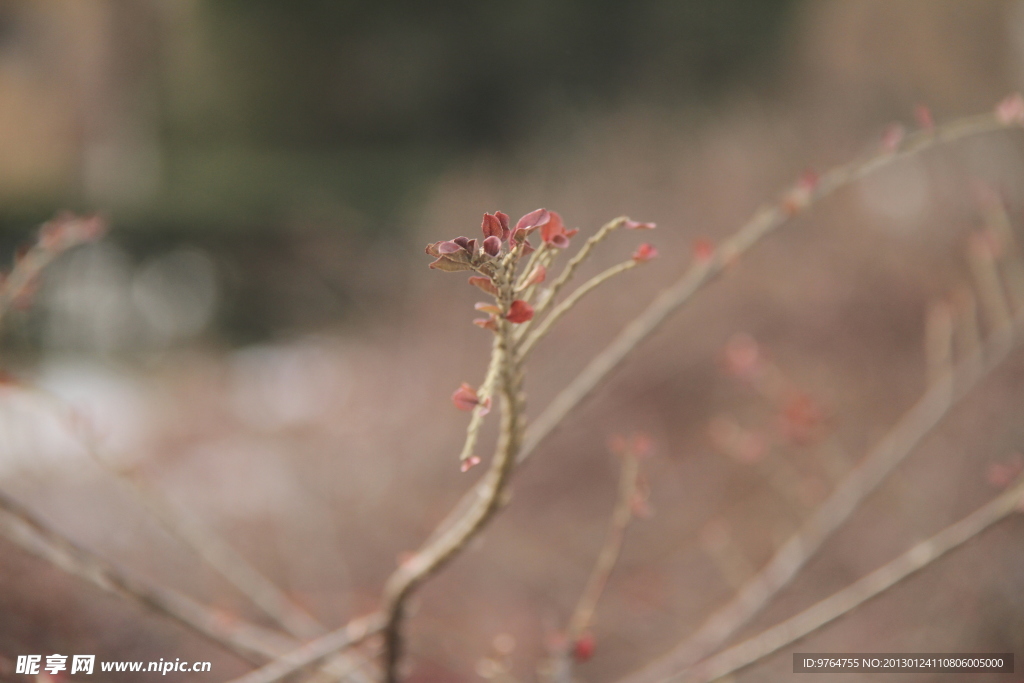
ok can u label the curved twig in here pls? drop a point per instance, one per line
(439, 551)
(849, 598)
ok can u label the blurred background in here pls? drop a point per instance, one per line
(260, 338)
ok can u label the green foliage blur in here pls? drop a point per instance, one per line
(362, 101)
(252, 128)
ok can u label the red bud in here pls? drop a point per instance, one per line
(892, 137)
(703, 249)
(636, 225)
(537, 275)
(924, 117)
(1011, 109)
(492, 245)
(645, 252)
(583, 649)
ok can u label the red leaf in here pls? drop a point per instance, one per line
(530, 222)
(645, 252)
(503, 220)
(491, 226)
(487, 323)
(485, 307)
(453, 263)
(552, 227)
(519, 312)
(465, 397)
(449, 247)
(554, 233)
(484, 283)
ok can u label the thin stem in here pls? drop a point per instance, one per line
(247, 640)
(539, 255)
(998, 222)
(898, 442)
(559, 666)
(574, 263)
(561, 309)
(528, 292)
(701, 273)
(609, 554)
(353, 633)
(476, 420)
(988, 283)
(849, 598)
(437, 553)
(65, 231)
(197, 536)
(938, 339)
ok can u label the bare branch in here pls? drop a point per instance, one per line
(998, 222)
(701, 273)
(988, 282)
(353, 633)
(938, 340)
(763, 223)
(193, 533)
(562, 308)
(478, 505)
(559, 667)
(717, 541)
(548, 296)
(251, 642)
(476, 420)
(55, 236)
(831, 608)
(898, 442)
(609, 554)
(439, 551)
